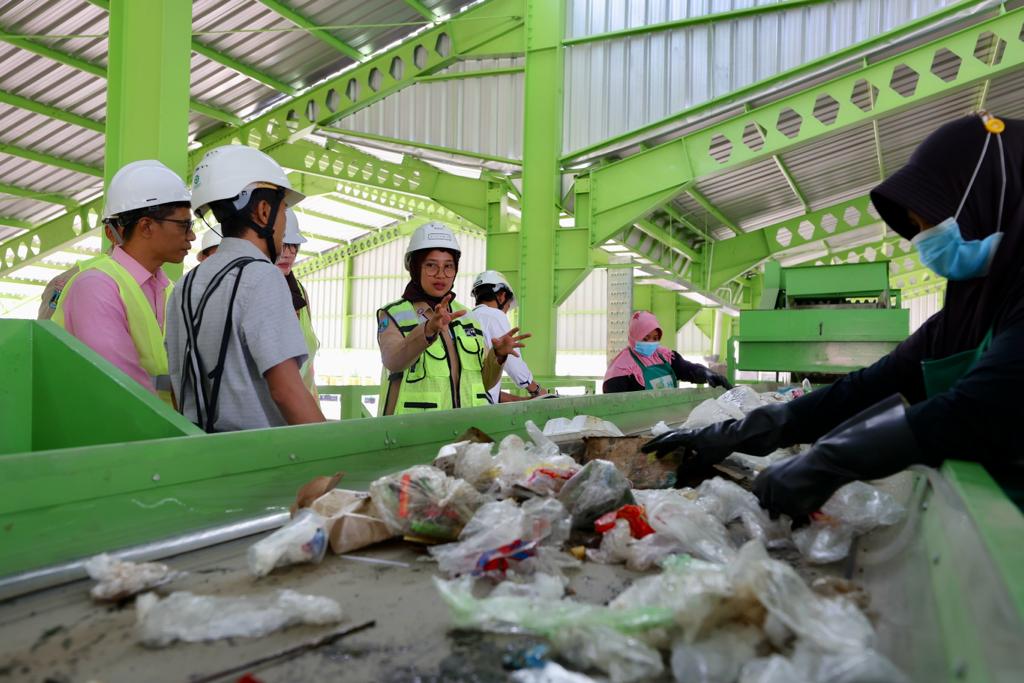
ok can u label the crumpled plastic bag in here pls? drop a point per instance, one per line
(539, 469)
(540, 586)
(561, 429)
(503, 536)
(830, 624)
(854, 509)
(698, 533)
(475, 464)
(660, 428)
(423, 501)
(774, 669)
(640, 554)
(596, 489)
(728, 501)
(858, 666)
(553, 672)
(741, 398)
(303, 539)
(711, 412)
(350, 521)
(717, 658)
(120, 579)
(196, 618)
(622, 657)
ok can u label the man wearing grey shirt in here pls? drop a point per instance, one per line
(234, 345)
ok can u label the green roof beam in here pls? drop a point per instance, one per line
(791, 181)
(310, 27)
(713, 210)
(421, 9)
(689, 22)
(15, 223)
(50, 160)
(380, 210)
(52, 112)
(657, 232)
(98, 70)
(52, 236)
(399, 201)
(32, 282)
(48, 197)
(323, 238)
(624, 190)
(335, 219)
(375, 79)
(423, 145)
(478, 73)
(677, 216)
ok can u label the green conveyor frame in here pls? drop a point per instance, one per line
(61, 504)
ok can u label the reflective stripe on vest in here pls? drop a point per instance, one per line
(426, 384)
(143, 327)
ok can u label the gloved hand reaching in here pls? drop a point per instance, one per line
(713, 379)
(873, 444)
(759, 433)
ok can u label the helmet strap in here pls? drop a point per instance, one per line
(267, 231)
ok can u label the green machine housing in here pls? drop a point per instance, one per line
(821, 320)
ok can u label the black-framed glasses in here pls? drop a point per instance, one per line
(185, 225)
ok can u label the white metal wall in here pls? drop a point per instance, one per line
(922, 308)
(613, 87)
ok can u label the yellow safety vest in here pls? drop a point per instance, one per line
(312, 343)
(142, 324)
(427, 384)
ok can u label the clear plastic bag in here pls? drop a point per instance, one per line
(561, 429)
(475, 464)
(857, 666)
(539, 469)
(774, 669)
(502, 535)
(854, 509)
(660, 428)
(711, 412)
(717, 658)
(195, 618)
(553, 672)
(596, 489)
(120, 579)
(302, 540)
(423, 501)
(697, 532)
(728, 501)
(622, 657)
(740, 398)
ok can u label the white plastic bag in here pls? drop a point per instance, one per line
(698, 533)
(475, 464)
(660, 428)
(740, 398)
(303, 539)
(195, 618)
(120, 579)
(728, 501)
(857, 666)
(717, 658)
(711, 412)
(774, 669)
(854, 509)
(562, 429)
(553, 672)
(522, 465)
(622, 657)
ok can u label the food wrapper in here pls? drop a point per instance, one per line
(351, 521)
(424, 503)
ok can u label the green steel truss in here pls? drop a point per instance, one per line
(620, 192)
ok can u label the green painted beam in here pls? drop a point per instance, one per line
(465, 196)
(662, 235)
(16, 223)
(335, 219)
(791, 181)
(382, 210)
(478, 73)
(50, 160)
(677, 216)
(397, 201)
(712, 209)
(23, 281)
(52, 112)
(375, 79)
(323, 238)
(420, 9)
(422, 145)
(80, 64)
(50, 237)
(623, 190)
(311, 27)
(48, 197)
(883, 41)
(703, 20)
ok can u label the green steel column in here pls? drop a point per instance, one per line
(542, 145)
(148, 73)
(346, 305)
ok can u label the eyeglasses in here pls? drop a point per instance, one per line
(432, 269)
(186, 226)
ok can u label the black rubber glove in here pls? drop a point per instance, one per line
(873, 444)
(713, 379)
(759, 433)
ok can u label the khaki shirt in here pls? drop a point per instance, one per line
(53, 291)
(399, 352)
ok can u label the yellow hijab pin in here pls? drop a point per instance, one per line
(993, 124)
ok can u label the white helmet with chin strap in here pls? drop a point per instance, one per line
(141, 185)
(432, 235)
(231, 173)
(292, 234)
(496, 281)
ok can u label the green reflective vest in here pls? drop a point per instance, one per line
(312, 344)
(427, 384)
(142, 324)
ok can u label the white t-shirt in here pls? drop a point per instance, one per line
(495, 323)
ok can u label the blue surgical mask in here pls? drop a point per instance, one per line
(646, 349)
(945, 251)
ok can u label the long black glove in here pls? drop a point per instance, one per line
(759, 433)
(713, 379)
(873, 444)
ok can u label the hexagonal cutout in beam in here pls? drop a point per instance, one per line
(789, 122)
(904, 80)
(946, 64)
(864, 95)
(826, 109)
(753, 136)
(720, 148)
(990, 48)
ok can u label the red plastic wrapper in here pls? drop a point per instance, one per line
(634, 514)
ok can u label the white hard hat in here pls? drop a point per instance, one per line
(211, 238)
(292, 234)
(141, 184)
(225, 172)
(496, 280)
(431, 236)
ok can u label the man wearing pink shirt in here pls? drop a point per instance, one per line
(116, 303)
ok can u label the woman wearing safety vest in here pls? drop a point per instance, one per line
(300, 299)
(951, 390)
(116, 302)
(434, 354)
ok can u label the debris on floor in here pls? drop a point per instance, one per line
(120, 579)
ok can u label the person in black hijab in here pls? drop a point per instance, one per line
(953, 388)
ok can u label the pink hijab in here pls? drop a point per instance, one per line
(640, 325)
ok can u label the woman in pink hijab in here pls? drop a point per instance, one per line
(645, 364)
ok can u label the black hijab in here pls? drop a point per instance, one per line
(414, 291)
(932, 184)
